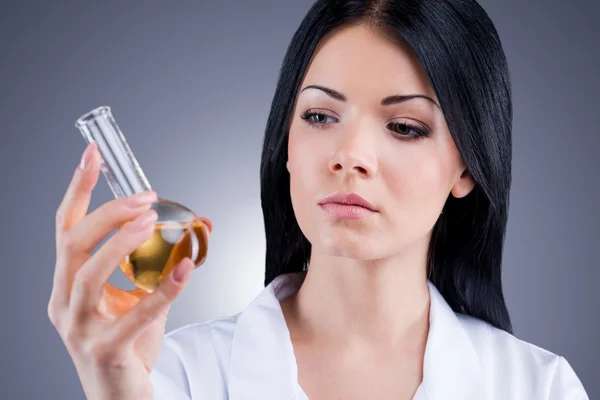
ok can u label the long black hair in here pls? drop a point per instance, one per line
(461, 53)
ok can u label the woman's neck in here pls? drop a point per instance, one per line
(381, 303)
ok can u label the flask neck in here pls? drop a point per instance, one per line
(119, 166)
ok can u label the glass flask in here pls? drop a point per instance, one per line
(178, 232)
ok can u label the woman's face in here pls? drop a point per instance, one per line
(399, 156)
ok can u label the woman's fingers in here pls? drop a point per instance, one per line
(89, 280)
(72, 209)
(131, 325)
(81, 239)
(208, 223)
(77, 233)
(76, 199)
(90, 230)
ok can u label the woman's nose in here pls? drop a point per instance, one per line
(355, 153)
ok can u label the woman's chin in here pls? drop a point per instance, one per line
(357, 248)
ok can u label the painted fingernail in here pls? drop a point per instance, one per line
(181, 271)
(86, 156)
(143, 221)
(142, 199)
(208, 224)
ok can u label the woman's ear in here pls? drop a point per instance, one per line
(463, 185)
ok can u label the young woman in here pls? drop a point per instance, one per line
(385, 182)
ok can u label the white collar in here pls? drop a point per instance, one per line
(263, 365)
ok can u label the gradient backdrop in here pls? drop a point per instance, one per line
(190, 84)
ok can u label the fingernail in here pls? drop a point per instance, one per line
(86, 156)
(181, 271)
(144, 221)
(207, 224)
(142, 199)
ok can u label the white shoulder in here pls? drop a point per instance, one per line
(193, 361)
(513, 366)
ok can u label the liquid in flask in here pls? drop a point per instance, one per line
(178, 232)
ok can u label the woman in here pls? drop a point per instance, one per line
(385, 182)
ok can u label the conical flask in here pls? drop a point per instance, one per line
(178, 232)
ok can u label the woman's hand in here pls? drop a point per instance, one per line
(113, 336)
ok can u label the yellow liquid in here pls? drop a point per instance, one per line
(155, 258)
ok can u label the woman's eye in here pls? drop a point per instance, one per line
(408, 130)
(317, 119)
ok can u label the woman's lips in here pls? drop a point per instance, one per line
(346, 211)
(347, 198)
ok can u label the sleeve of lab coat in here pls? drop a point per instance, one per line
(169, 377)
(187, 367)
(565, 383)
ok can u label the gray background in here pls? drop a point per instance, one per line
(190, 83)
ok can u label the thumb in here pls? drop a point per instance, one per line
(131, 325)
(172, 284)
(180, 274)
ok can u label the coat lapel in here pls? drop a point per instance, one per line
(451, 368)
(263, 364)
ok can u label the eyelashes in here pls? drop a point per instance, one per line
(308, 117)
(406, 129)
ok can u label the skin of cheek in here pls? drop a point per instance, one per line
(411, 186)
(417, 190)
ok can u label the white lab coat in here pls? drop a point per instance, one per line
(249, 356)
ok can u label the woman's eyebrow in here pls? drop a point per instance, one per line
(395, 99)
